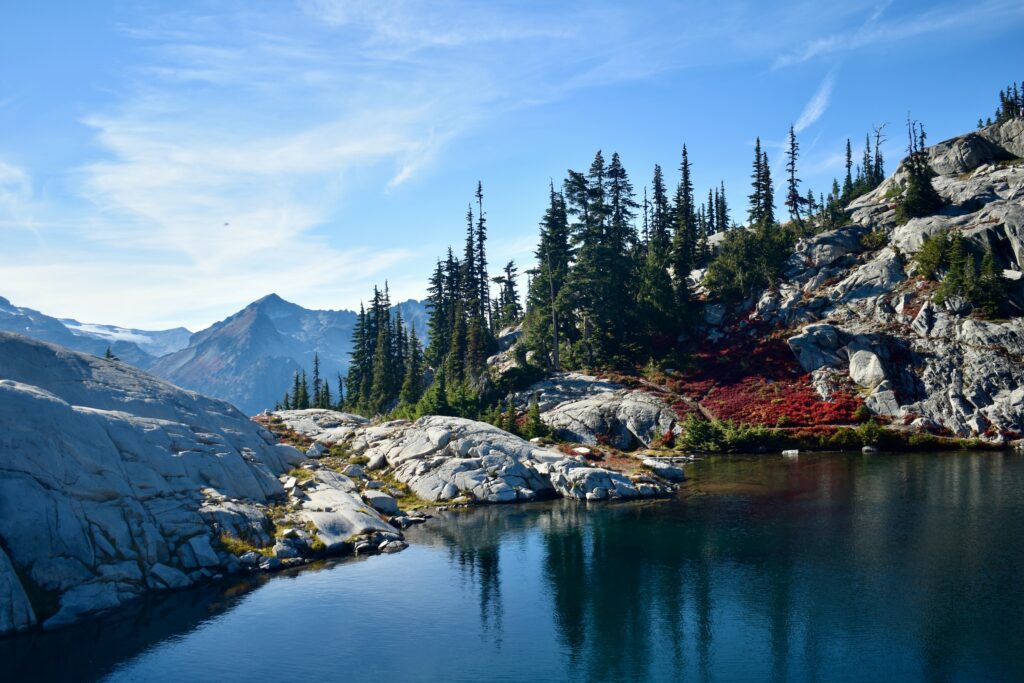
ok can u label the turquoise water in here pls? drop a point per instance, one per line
(826, 568)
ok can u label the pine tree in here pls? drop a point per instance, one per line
(768, 192)
(302, 396)
(109, 354)
(296, 401)
(534, 427)
(317, 387)
(991, 295)
(483, 294)
(435, 399)
(722, 210)
(438, 324)
(548, 320)
(412, 384)
(794, 200)
(508, 310)
(917, 195)
(684, 242)
(847, 195)
(755, 214)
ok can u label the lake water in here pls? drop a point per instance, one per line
(823, 568)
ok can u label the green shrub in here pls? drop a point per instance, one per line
(870, 433)
(874, 240)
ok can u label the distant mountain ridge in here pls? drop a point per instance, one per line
(249, 358)
(141, 348)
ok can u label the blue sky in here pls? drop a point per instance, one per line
(167, 163)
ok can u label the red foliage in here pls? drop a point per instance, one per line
(789, 403)
(755, 379)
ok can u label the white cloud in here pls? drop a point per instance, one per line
(817, 105)
(874, 31)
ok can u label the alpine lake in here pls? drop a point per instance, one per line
(824, 567)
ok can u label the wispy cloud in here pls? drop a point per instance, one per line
(817, 105)
(875, 31)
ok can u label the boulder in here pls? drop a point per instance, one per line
(664, 470)
(965, 153)
(582, 408)
(381, 502)
(866, 369)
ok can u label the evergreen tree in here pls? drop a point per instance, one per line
(435, 399)
(296, 401)
(508, 310)
(794, 200)
(302, 396)
(534, 427)
(684, 242)
(483, 294)
(768, 195)
(109, 354)
(847, 195)
(317, 387)
(722, 210)
(548, 318)
(412, 384)
(991, 296)
(917, 196)
(438, 324)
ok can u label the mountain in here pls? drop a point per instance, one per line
(155, 343)
(250, 357)
(138, 347)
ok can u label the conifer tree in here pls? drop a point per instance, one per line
(722, 210)
(755, 215)
(302, 397)
(684, 242)
(848, 181)
(412, 383)
(917, 195)
(483, 294)
(794, 200)
(317, 388)
(548, 320)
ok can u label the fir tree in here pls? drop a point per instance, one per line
(483, 294)
(684, 242)
(317, 387)
(794, 200)
(847, 195)
(917, 196)
(412, 384)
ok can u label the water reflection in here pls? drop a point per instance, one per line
(780, 570)
(824, 568)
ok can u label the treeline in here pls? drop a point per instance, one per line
(615, 281)
(304, 394)
(1011, 106)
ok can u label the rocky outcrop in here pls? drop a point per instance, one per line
(113, 483)
(449, 458)
(584, 409)
(857, 309)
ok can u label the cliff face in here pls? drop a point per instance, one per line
(862, 315)
(114, 483)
